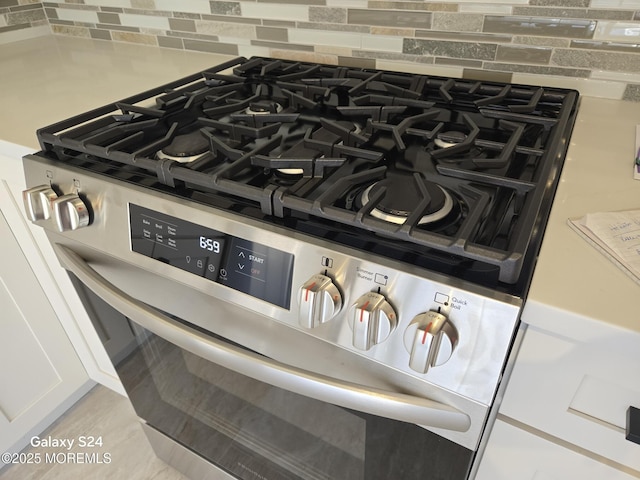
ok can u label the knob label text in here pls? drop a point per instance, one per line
(458, 303)
(364, 274)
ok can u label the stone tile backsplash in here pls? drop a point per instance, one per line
(590, 45)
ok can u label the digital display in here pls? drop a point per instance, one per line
(249, 267)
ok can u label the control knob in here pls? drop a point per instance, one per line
(430, 339)
(372, 320)
(37, 202)
(70, 212)
(319, 300)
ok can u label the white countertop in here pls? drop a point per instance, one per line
(51, 78)
(47, 79)
(572, 278)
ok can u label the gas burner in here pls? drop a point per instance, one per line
(185, 148)
(290, 172)
(402, 196)
(287, 176)
(449, 139)
(263, 107)
(315, 167)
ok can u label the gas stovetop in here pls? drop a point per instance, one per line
(452, 175)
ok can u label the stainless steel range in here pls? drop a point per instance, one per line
(308, 271)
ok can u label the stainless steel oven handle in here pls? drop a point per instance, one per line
(398, 406)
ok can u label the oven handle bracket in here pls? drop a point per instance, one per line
(397, 406)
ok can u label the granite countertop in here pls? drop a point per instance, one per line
(51, 78)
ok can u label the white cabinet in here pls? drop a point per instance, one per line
(516, 454)
(53, 279)
(578, 391)
(565, 405)
(40, 374)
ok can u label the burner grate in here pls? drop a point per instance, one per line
(298, 139)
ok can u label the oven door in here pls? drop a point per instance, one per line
(213, 408)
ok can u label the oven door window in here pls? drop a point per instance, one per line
(241, 425)
(254, 430)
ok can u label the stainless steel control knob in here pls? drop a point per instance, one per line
(319, 300)
(372, 320)
(70, 212)
(430, 339)
(37, 202)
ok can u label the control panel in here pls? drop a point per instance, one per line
(449, 334)
(430, 338)
(249, 267)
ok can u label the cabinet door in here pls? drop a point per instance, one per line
(578, 391)
(54, 280)
(40, 374)
(515, 454)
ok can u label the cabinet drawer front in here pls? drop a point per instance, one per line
(577, 391)
(514, 454)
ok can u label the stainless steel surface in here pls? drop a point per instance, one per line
(430, 339)
(70, 212)
(372, 320)
(397, 406)
(182, 459)
(37, 202)
(484, 319)
(319, 300)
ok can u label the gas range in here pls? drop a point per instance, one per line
(358, 237)
(455, 176)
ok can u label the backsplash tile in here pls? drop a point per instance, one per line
(538, 70)
(560, 3)
(224, 8)
(632, 93)
(182, 24)
(467, 37)
(276, 34)
(616, 46)
(538, 26)
(389, 18)
(522, 54)
(589, 13)
(590, 45)
(618, 31)
(433, 7)
(540, 41)
(434, 48)
(22, 19)
(457, 22)
(327, 15)
(596, 60)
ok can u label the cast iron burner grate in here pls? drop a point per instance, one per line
(299, 142)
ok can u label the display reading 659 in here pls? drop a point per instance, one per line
(258, 270)
(210, 244)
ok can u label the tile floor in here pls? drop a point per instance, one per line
(104, 413)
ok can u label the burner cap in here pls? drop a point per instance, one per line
(291, 172)
(402, 196)
(263, 107)
(185, 148)
(449, 139)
